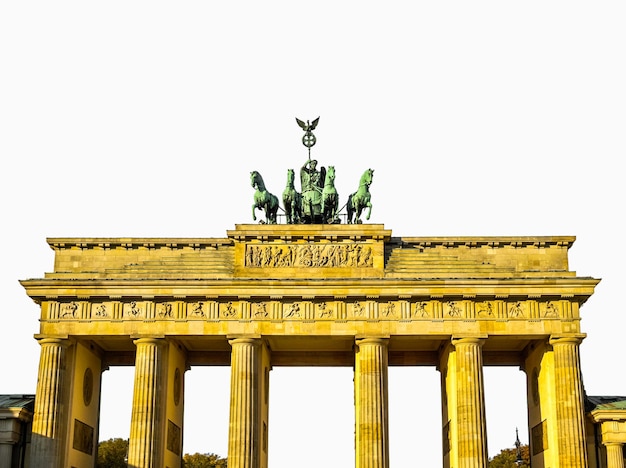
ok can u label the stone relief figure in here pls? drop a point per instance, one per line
(420, 309)
(261, 310)
(551, 310)
(324, 310)
(389, 310)
(309, 255)
(101, 311)
(135, 311)
(516, 310)
(357, 309)
(197, 310)
(293, 311)
(69, 309)
(485, 310)
(166, 310)
(230, 310)
(453, 309)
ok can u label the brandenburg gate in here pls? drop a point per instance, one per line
(270, 295)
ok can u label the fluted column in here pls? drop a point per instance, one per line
(6, 454)
(371, 401)
(244, 433)
(569, 402)
(472, 429)
(145, 445)
(48, 431)
(614, 455)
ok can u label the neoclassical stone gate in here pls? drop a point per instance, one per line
(332, 295)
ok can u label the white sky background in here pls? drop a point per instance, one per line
(144, 119)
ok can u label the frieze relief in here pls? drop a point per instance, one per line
(260, 311)
(68, 310)
(369, 309)
(485, 310)
(421, 310)
(344, 255)
(453, 309)
(134, 310)
(101, 310)
(165, 310)
(229, 311)
(325, 311)
(516, 310)
(358, 309)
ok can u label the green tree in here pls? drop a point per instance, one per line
(507, 458)
(204, 460)
(112, 453)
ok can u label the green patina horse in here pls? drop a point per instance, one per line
(263, 200)
(330, 197)
(292, 200)
(360, 199)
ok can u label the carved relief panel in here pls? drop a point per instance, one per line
(335, 255)
(311, 309)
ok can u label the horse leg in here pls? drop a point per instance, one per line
(369, 212)
(253, 212)
(349, 209)
(268, 213)
(287, 211)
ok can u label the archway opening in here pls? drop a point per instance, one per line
(414, 417)
(311, 421)
(207, 406)
(506, 407)
(116, 402)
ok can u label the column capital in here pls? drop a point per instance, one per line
(238, 339)
(473, 339)
(567, 339)
(49, 340)
(380, 340)
(157, 340)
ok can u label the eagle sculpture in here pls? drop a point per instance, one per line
(307, 127)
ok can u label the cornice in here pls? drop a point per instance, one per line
(575, 289)
(64, 243)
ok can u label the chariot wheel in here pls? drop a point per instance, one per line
(309, 140)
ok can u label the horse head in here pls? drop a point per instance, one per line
(367, 177)
(330, 176)
(256, 180)
(290, 177)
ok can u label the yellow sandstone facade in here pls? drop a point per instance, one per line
(333, 295)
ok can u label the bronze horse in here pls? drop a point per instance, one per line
(330, 197)
(292, 200)
(263, 200)
(360, 199)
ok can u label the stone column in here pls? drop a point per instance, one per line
(570, 413)
(371, 402)
(6, 454)
(244, 433)
(470, 397)
(614, 455)
(49, 424)
(146, 426)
